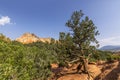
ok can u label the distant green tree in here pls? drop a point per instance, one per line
(66, 47)
(4, 38)
(82, 34)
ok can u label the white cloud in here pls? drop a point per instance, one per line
(5, 20)
(110, 41)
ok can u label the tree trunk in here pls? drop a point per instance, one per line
(85, 65)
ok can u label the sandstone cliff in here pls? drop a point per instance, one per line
(27, 38)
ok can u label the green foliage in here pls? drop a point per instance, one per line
(101, 55)
(76, 44)
(4, 38)
(66, 45)
(113, 57)
(25, 62)
(83, 32)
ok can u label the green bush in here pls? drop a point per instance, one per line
(21, 62)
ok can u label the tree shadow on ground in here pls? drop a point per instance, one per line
(113, 75)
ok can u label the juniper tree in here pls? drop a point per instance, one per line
(83, 33)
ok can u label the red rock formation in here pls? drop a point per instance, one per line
(27, 38)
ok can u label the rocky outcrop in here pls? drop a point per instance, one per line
(27, 38)
(101, 71)
(75, 77)
(92, 68)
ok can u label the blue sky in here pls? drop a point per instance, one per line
(46, 18)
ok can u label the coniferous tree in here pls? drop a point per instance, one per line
(83, 33)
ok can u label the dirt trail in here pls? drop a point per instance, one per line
(93, 69)
(104, 71)
(110, 71)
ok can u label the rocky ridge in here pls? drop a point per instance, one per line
(27, 38)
